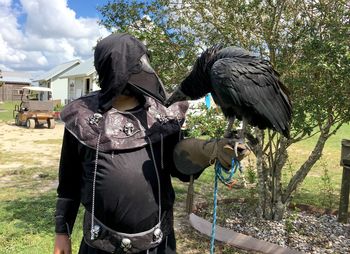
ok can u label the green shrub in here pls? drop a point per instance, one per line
(327, 190)
(58, 107)
(206, 122)
(250, 172)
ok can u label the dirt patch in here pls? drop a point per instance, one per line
(22, 148)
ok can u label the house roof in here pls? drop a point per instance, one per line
(15, 77)
(86, 68)
(56, 71)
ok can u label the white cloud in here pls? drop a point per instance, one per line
(53, 18)
(50, 35)
(9, 54)
(5, 2)
(9, 28)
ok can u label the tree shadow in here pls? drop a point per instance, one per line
(32, 214)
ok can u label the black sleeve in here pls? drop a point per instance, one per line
(170, 143)
(70, 172)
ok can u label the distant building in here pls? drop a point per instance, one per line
(82, 79)
(11, 83)
(52, 79)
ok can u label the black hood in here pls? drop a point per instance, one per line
(116, 57)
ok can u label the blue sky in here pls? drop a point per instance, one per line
(86, 8)
(36, 35)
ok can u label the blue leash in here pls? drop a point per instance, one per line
(219, 174)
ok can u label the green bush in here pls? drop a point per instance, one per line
(206, 122)
(58, 107)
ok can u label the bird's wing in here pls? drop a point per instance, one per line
(250, 88)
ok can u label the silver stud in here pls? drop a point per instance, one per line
(95, 231)
(162, 118)
(128, 129)
(95, 119)
(157, 235)
(126, 244)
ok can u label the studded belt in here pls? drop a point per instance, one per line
(111, 241)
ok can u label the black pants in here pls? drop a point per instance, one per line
(167, 246)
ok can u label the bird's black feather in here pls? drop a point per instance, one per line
(255, 94)
(197, 83)
(243, 85)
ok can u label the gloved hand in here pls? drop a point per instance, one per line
(193, 155)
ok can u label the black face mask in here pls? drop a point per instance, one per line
(147, 81)
(121, 59)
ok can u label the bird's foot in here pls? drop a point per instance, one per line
(231, 134)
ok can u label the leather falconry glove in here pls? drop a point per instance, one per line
(194, 155)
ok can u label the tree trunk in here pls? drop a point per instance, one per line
(263, 188)
(306, 167)
(273, 200)
(278, 206)
(271, 206)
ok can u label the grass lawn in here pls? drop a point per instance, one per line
(6, 110)
(322, 185)
(27, 202)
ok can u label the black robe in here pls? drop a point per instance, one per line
(129, 160)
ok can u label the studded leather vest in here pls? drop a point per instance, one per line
(121, 130)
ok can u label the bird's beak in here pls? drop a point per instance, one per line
(176, 96)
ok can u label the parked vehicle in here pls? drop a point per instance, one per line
(35, 109)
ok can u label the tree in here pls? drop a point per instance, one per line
(306, 41)
(170, 55)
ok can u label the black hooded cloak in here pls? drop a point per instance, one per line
(114, 63)
(133, 164)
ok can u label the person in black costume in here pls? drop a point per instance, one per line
(120, 148)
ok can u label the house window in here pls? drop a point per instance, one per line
(71, 90)
(87, 86)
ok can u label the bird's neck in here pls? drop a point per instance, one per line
(196, 85)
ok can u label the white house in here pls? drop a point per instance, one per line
(52, 79)
(82, 79)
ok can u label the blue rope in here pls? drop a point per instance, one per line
(227, 181)
(212, 240)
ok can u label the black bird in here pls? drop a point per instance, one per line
(244, 85)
